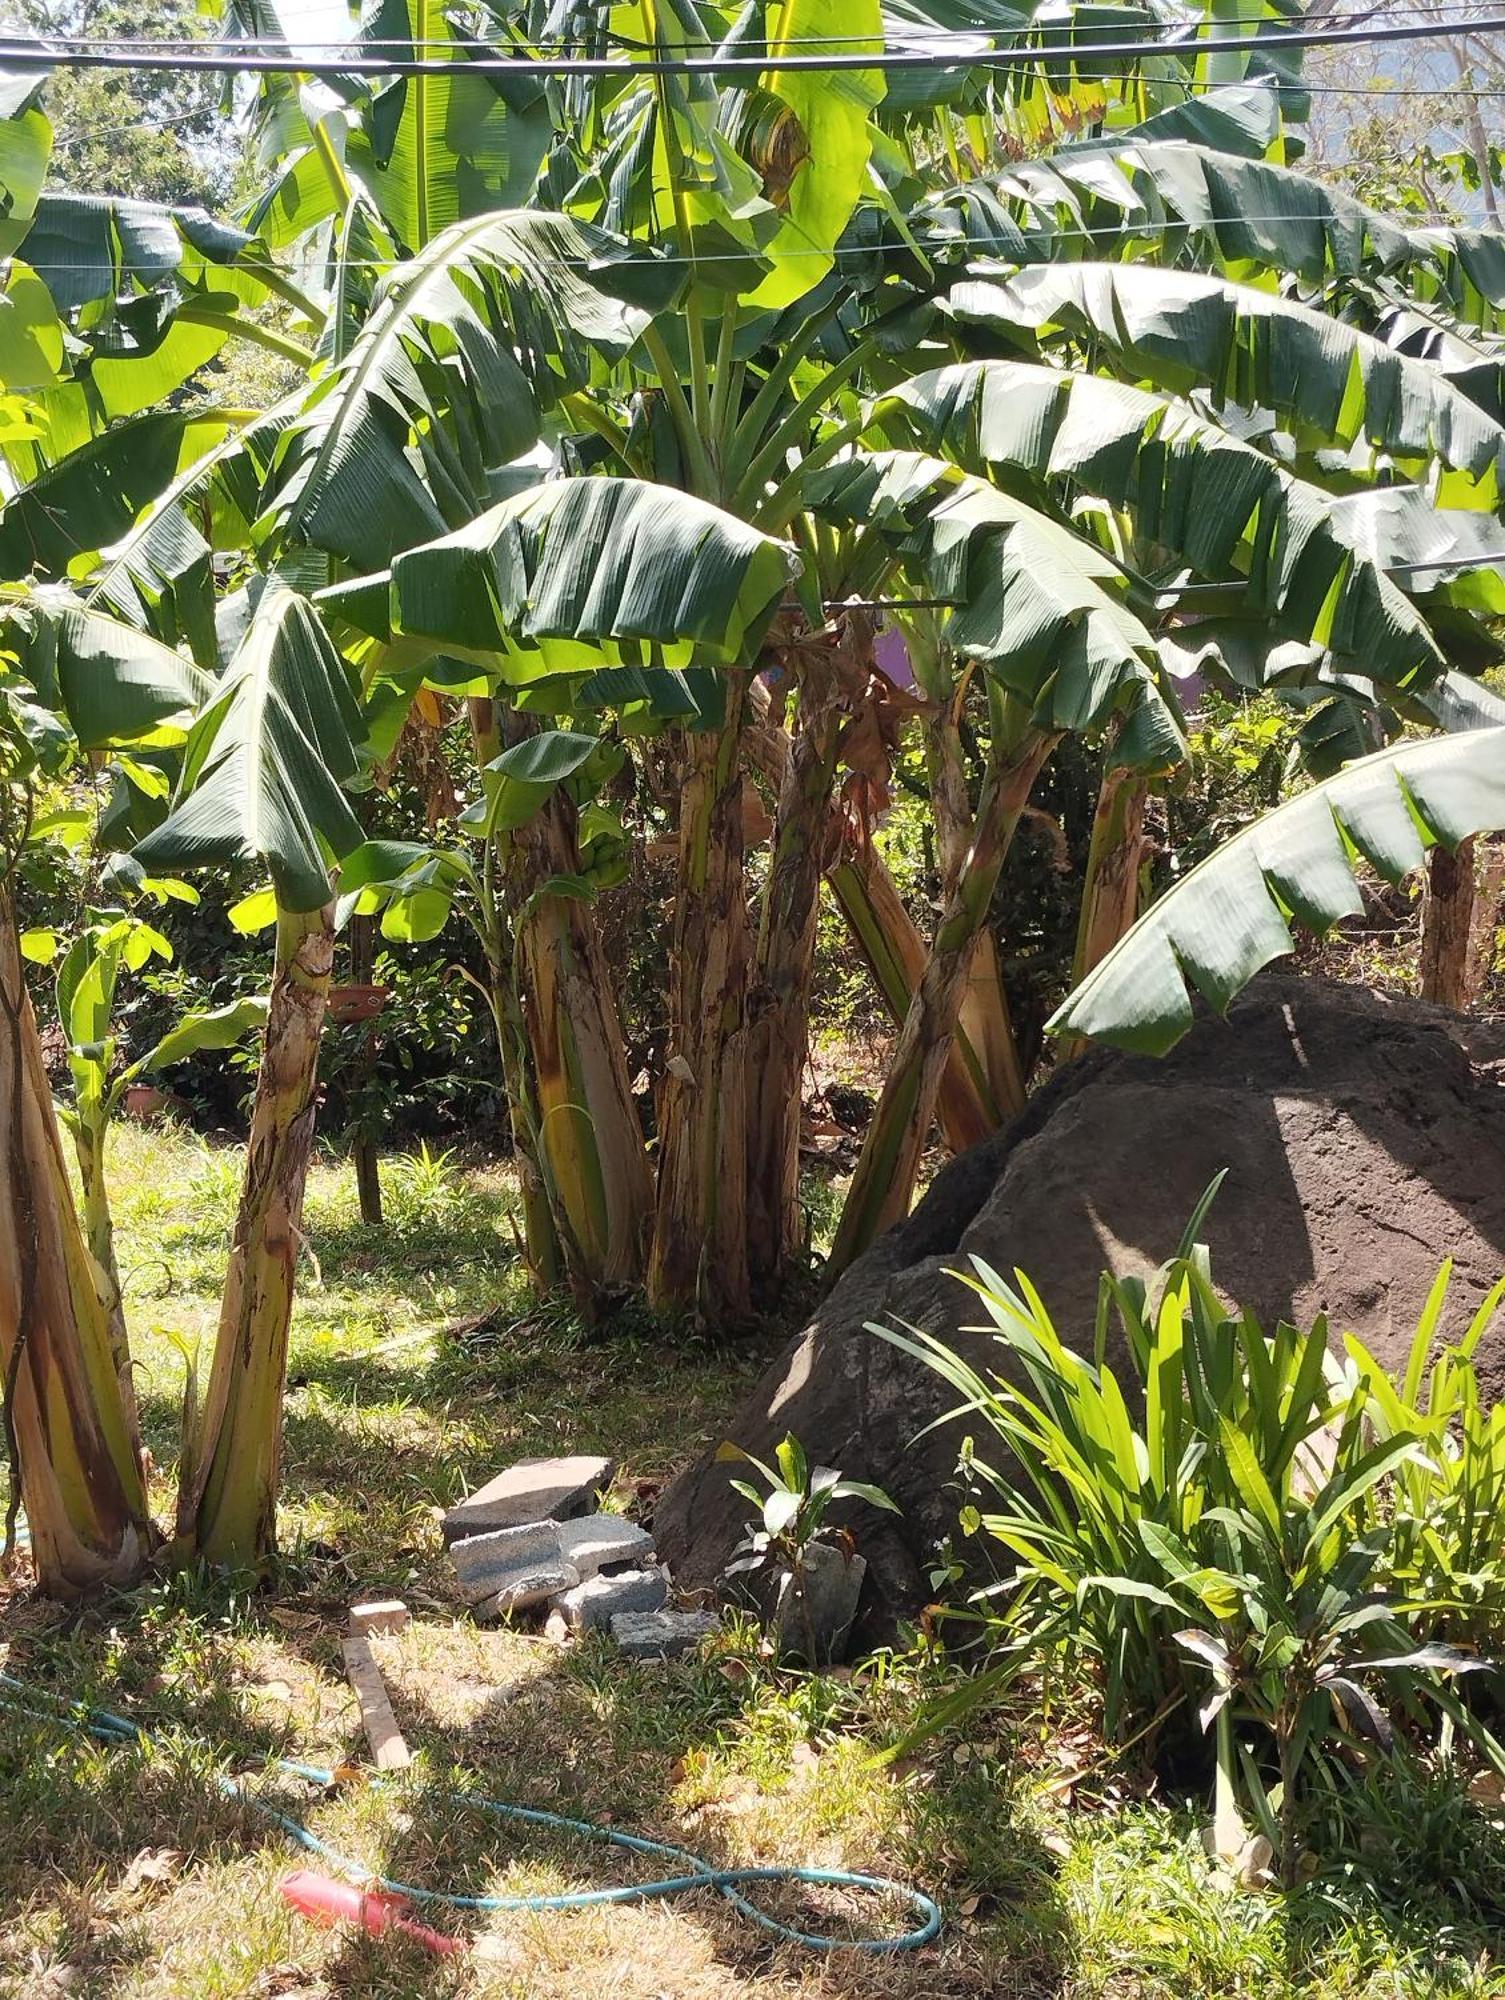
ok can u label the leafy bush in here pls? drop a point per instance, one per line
(1243, 1528)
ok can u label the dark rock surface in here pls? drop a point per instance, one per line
(1364, 1139)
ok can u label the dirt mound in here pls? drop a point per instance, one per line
(1364, 1140)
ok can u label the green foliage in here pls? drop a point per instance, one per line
(1231, 1525)
(792, 1512)
(1231, 915)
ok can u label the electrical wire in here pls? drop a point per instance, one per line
(693, 1874)
(1058, 34)
(672, 260)
(27, 55)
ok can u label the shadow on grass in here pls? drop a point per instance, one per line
(596, 1738)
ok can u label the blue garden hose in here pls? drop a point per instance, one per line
(694, 1872)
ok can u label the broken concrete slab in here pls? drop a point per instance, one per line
(604, 1541)
(662, 1635)
(527, 1589)
(486, 1564)
(535, 1489)
(600, 1598)
(511, 1569)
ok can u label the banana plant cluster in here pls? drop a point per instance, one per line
(643, 403)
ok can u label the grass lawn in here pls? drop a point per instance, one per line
(131, 1873)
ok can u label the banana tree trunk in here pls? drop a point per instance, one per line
(99, 1234)
(541, 1246)
(228, 1501)
(985, 1040)
(699, 1255)
(590, 1143)
(65, 1422)
(1115, 859)
(885, 935)
(888, 1167)
(1458, 921)
(779, 1002)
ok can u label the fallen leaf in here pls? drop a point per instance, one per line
(1058, 1845)
(271, 1691)
(152, 1864)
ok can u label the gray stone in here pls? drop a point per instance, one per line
(535, 1489)
(487, 1564)
(603, 1541)
(812, 1616)
(1363, 1141)
(662, 1635)
(599, 1600)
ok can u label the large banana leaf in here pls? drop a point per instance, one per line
(1182, 329)
(1162, 200)
(95, 247)
(832, 111)
(1042, 608)
(114, 684)
(266, 759)
(25, 147)
(1232, 914)
(441, 351)
(578, 574)
(1191, 488)
(439, 148)
(56, 525)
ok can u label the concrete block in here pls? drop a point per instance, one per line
(513, 1567)
(535, 1489)
(662, 1635)
(603, 1541)
(598, 1600)
(380, 1615)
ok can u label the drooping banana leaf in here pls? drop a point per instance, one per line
(1182, 329)
(1191, 488)
(578, 574)
(114, 684)
(1232, 914)
(491, 323)
(266, 759)
(1167, 201)
(1041, 607)
(56, 525)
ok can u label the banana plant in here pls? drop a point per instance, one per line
(68, 1415)
(543, 845)
(87, 978)
(263, 771)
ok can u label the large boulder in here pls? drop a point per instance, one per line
(1364, 1139)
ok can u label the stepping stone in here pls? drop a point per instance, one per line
(600, 1598)
(662, 1635)
(535, 1489)
(513, 1567)
(604, 1541)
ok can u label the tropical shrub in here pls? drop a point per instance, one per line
(1231, 1531)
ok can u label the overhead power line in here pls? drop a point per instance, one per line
(916, 39)
(24, 55)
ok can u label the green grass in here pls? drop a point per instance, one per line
(1059, 1878)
